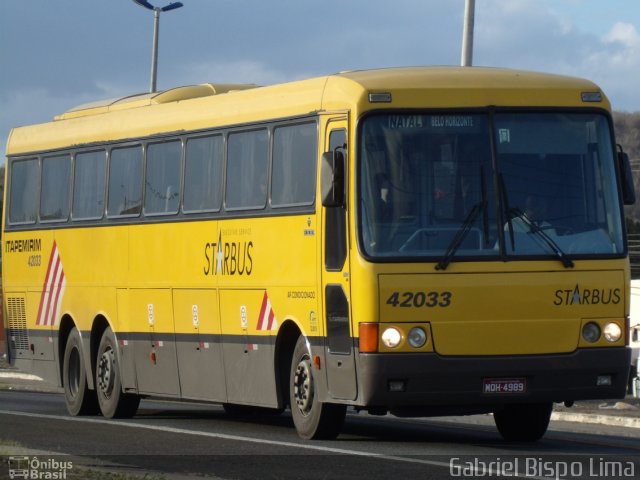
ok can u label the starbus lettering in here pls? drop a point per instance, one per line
(587, 296)
(228, 258)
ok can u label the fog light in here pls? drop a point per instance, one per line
(417, 337)
(612, 332)
(604, 381)
(391, 337)
(591, 332)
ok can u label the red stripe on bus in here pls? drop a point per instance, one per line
(52, 284)
(44, 287)
(59, 288)
(263, 309)
(271, 319)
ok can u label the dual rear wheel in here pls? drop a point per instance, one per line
(79, 398)
(108, 397)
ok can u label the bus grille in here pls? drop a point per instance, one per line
(18, 334)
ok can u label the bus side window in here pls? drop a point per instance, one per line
(162, 178)
(247, 162)
(88, 185)
(54, 195)
(125, 182)
(294, 165)
(335, 229)
(203, 174)
(24, 191)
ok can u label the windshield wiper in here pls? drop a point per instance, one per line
(512, 213)
(506, 209)
(535, 228)
(458, 238)
(460, 235)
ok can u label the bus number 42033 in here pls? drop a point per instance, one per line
(420, 299)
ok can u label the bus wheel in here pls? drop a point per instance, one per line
(523, 423)
(312, 418)
(79, 399)
(114, 403)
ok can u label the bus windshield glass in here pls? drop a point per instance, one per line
(438, 186)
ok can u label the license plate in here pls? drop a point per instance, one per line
(504, 386)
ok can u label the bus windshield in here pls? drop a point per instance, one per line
(438, 186)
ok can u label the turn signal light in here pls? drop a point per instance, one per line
(368, 337)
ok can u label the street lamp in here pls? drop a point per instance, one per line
(466, 58)
(156, 27)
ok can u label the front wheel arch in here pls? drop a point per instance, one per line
(285, 344)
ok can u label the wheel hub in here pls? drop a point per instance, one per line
(303, 386)
(105, 372)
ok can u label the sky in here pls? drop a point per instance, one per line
(57, 54)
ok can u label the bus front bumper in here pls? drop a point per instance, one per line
(410, 381)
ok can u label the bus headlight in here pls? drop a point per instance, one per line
(417, 337)
(612, 332)
(591, 332)
(391, 337)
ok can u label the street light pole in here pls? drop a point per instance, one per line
(154, 50)
(156, 32)
(466, 59)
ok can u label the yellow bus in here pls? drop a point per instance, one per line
(413, 241)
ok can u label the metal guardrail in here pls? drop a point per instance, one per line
(634, 254)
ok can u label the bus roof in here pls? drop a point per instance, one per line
(146, 99)
(211, 105)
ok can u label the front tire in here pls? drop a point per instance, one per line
(78, 398)
(313, 419)
(523, 423)
(114, 403)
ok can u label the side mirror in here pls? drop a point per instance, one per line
(332, 179)
(626, 180)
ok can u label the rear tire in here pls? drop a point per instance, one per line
(523, 423)
(114, 403)
(313, 419)
(78, 398)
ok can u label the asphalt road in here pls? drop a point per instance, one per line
(180, 439)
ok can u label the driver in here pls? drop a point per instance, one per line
(535, 211)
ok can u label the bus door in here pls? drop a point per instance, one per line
(339, 349)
